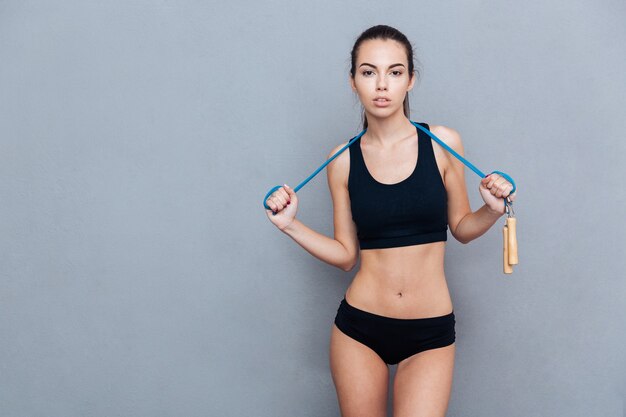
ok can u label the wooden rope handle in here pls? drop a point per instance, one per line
(509, 239)
(508, 269)
(511, 223)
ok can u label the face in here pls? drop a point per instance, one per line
(382, 71)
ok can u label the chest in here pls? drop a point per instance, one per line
(416, 203)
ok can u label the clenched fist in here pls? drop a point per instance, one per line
(284, 205)
(493, 188)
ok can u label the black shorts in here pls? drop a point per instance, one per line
(395, 339)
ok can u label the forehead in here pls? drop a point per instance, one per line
(379, 51)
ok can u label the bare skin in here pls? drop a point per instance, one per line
(401, 282)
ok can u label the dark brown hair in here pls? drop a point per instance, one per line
(385, 32)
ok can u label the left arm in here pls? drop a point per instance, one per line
(476, 224)
(466, 225)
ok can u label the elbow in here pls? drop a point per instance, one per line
(458, 235)
(463, 241)
(347, 267)
(460, 239)
(348, 258)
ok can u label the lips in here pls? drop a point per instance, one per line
(382, 102)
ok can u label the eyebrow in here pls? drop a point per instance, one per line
(390, 66)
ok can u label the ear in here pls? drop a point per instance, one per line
(352, 82)
(412, 82)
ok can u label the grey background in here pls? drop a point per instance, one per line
(141, 277)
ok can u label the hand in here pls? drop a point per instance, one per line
(493, 188)
(283, 202)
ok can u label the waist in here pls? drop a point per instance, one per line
(405, 282)
(404, 261)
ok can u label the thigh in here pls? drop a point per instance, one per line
(423, 383)
(360, 376)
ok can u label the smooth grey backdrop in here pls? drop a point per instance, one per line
(141, 277)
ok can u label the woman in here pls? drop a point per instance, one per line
(394, 193)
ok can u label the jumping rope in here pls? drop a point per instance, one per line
(509, 230)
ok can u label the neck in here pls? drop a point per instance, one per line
(386, 131)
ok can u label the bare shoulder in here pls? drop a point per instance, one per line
(450, 137)
(339, 167)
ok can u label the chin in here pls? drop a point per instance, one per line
(383, 110)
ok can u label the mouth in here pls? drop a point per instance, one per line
(381, 102)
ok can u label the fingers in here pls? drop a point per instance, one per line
(502, 188)
(488, 181)
(281, 196)
(290, 191)
(497, 185)
(276, 201)
(280, 199)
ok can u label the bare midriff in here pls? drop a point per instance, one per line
(404, 282)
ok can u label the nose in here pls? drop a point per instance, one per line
(381, 83)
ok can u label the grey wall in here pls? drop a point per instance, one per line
(141, 277)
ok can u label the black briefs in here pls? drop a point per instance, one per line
(395, 339)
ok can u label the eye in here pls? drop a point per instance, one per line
(367, 72)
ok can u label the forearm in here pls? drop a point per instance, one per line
(322, 247)
(476, 224)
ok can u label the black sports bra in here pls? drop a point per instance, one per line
(410, 212)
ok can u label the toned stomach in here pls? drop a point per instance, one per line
(404, 282)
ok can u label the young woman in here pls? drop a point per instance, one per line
(395, 191)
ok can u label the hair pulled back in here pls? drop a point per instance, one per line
(385, 32)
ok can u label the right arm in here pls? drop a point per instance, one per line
(342, 250)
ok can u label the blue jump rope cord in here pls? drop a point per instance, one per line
(429, 133)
